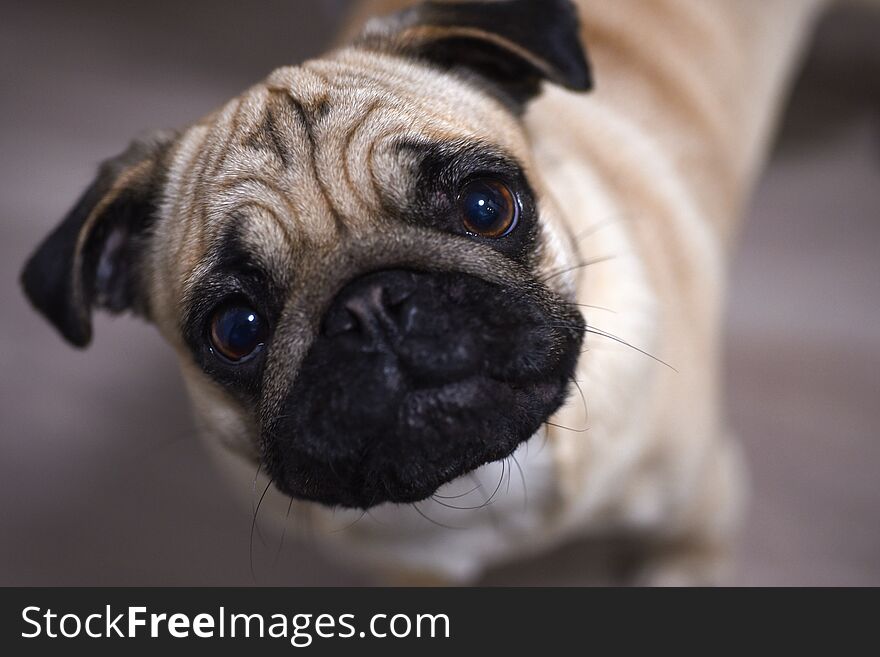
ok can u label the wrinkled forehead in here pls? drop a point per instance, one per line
(314, 150)
(384, 96)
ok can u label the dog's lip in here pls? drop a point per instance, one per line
(428, 388)
(467, 392)
(414, 409)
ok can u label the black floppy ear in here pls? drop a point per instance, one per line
(513, 43)
(92, 259)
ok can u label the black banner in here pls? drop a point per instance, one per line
(425, 621)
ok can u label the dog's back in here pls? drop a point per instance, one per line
(662, 158)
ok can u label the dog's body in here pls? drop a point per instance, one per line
(637, 187)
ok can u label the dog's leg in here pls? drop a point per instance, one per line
(700, 552)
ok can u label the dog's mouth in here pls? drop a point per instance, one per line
(416, 380)
(436, 435)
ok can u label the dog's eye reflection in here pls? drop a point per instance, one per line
(237, 331)
(488, 208)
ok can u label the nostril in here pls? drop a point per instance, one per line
(405, 314)
(365, 310)
(338, 321)
(375, 308)
(397, 294)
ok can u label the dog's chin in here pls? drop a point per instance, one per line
(437, 435)
(415, 380)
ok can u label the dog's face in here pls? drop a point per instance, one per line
(354, 259)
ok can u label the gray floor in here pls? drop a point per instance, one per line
(101, 479)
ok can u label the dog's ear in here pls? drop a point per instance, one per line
(516, 44)
(92, 258)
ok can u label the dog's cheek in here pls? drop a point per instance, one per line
(228, 428)
(156, 288)
(557, 249)
(527, 356)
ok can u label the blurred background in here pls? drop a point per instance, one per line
(102, 481)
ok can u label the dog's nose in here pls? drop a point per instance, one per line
(373, 308)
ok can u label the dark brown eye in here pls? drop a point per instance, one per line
(488, 208)
(237, 331)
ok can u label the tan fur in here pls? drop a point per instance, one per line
(646, 175)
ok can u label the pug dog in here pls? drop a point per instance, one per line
(456, 304)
